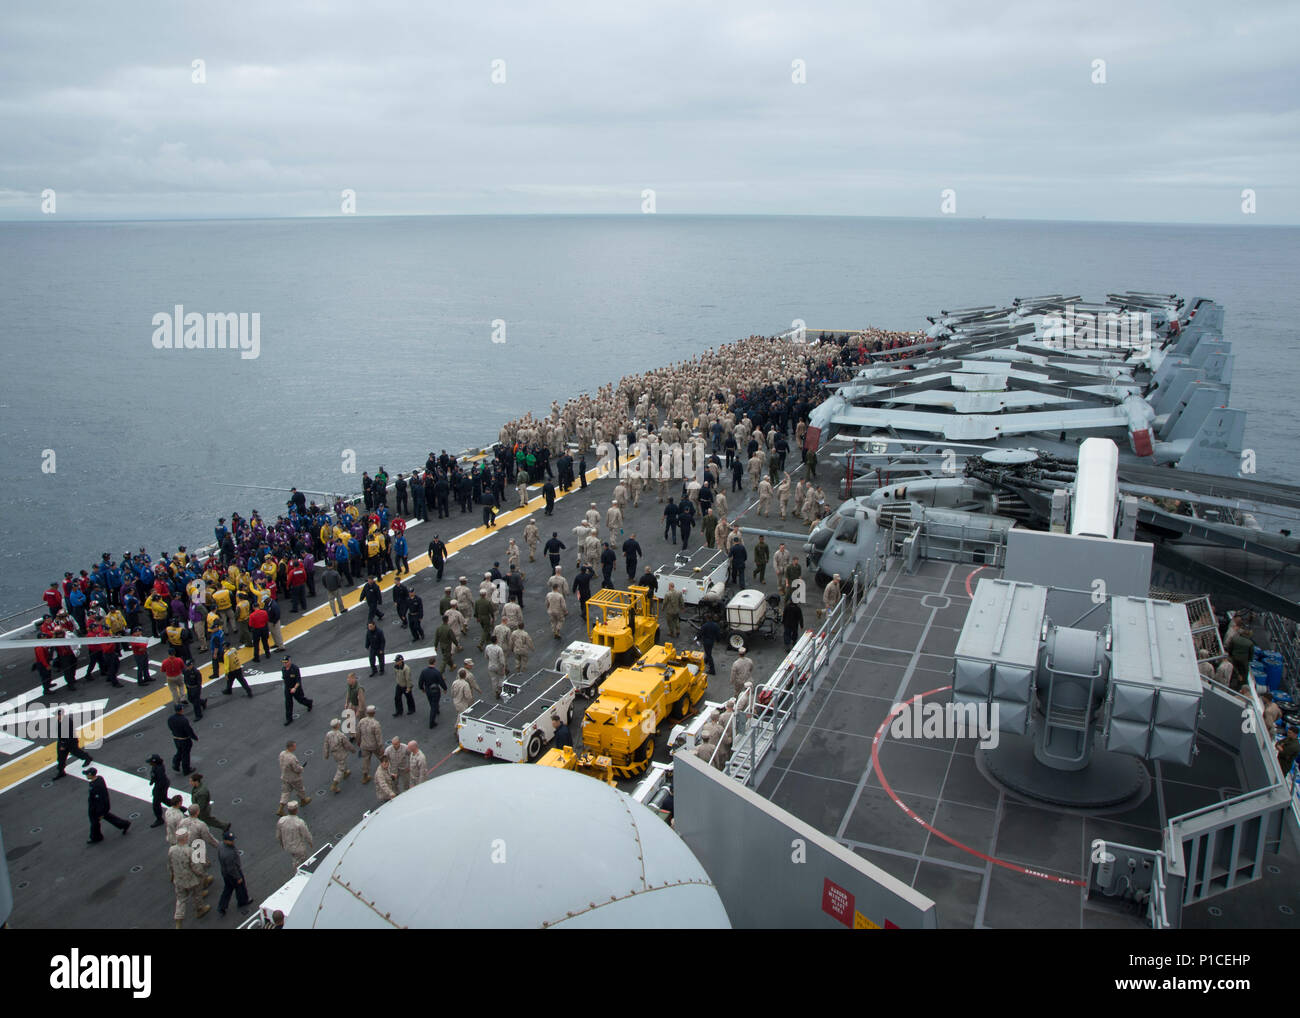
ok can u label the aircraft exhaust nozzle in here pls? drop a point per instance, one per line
(1141, 421)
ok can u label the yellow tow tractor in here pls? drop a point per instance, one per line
(599, 767)
(634, 701)
(623, 620)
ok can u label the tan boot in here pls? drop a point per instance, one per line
(305, 800)
(334, 787)
(207, 881)
(365, 779)
(347, 773)
(203, 910)
(280, 812)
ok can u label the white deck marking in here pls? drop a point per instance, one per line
(126, 783)
(261, 678)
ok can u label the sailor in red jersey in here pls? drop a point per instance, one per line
(172, 667)
(43, 668)
(140, 651)
(66, 663)
(258, 621)
(297, 580)
(93, 628)
(109, 657)
(53, 599)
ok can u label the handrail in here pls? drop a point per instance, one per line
(1284, 644)
(1253, 794)
(36, 609)
(1159, 908)
(806, 663)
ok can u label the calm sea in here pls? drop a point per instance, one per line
(377, 337)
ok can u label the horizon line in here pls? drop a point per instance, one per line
(628, 215)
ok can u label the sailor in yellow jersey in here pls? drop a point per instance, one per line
(158, 610)
(234, 672)
(176, 634)
(223, 600)
(213, 622)
(115, 621)
(244, 634)
(374, 553)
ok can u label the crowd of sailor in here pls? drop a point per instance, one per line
(746, 402)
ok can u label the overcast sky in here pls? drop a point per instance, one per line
(602, 100)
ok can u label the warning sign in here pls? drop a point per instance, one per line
(861, 922)
(837, 902)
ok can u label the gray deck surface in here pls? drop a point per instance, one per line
(899, 647)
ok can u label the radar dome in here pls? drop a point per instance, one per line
(510, 846)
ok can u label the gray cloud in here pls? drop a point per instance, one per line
(902, 99)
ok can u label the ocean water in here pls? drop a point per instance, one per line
(377, 340)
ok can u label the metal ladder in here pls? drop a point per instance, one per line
(1074, 719)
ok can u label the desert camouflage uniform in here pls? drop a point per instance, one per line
(385, 788)
(339, 749)
(371, 743)
(556, 610)
(521, 645)
(187, 879)
(290, 777)
(294, 837)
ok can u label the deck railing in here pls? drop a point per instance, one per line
(757, 733)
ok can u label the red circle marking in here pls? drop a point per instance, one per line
(444, 760)
(968, 579)
(875, 763)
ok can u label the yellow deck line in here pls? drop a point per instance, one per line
(121, 718)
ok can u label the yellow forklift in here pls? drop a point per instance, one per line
(625, 621)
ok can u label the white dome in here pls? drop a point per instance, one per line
(510, 846)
